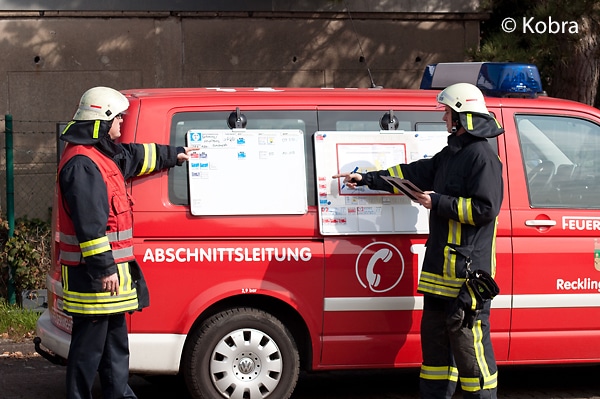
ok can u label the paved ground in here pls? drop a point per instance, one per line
(25, 375)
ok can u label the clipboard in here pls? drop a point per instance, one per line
(405, 186)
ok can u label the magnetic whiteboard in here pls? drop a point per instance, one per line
(247, 172)
(362, 210)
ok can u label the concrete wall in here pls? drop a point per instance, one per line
(50, 58)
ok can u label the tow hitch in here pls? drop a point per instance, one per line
(51, 357)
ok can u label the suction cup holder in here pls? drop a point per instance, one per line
(237, 120)
(388, 121)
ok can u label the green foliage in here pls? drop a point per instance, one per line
(15, 323)
(27, 252)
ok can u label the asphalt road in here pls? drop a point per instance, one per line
(24, 375)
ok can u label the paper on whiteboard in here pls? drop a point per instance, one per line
(246, 172)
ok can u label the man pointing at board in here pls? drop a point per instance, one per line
(463, 189)
(100, 277)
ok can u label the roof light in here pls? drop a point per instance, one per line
(497, 79)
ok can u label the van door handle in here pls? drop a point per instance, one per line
(540, 223)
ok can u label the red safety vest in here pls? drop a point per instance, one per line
(120, 218)
(120, 238)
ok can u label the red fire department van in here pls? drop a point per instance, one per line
(260, 265)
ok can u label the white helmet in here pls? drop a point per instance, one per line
(100, 103)
(463, 97)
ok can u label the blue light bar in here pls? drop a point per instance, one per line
(496, 79)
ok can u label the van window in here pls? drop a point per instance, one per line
(358, 120)
(561, 156)
(307, 121)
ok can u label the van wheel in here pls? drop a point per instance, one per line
(241, 353)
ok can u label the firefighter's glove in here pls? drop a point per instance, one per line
(479, 288)
(465, 309)
(483, 285)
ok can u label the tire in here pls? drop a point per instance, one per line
(241, 353)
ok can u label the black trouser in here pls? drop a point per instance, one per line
(99, 344)
(453, 354)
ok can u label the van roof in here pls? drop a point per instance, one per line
(334, 97)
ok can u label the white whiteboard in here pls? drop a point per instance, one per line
(247, 172)
(361, 210)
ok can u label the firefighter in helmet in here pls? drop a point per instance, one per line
(101, 279)
(463, 189)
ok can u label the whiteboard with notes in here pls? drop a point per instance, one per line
(247, 172)
(361, 210)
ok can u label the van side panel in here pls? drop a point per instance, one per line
(370, 302)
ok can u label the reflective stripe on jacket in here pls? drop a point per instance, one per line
(98, 303)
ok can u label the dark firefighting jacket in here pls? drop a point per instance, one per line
(466, 177)
(95, 217)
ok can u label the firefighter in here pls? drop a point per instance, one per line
(463, 189)
(101, 279)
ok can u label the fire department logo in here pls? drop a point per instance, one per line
(379, 267)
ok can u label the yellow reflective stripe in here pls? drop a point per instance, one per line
(149, 159)
(396, 171)
(455, 232)
(489, 380)
(96, 133)
(439, 285)
(428, 288)
(493, 260)
(454, 237)
(145, 164)
(470, 384)
(448, 284)
(498, 123)
(101, 308)
(94, 247)
(65, 277)
(94, 242)
(449, 262)
(469, 121)
(439, 373)
(93, 298)
(444, 280)
(472, 295)
(465, 210)
(125, 277)
(67, 127)
(92, 303)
